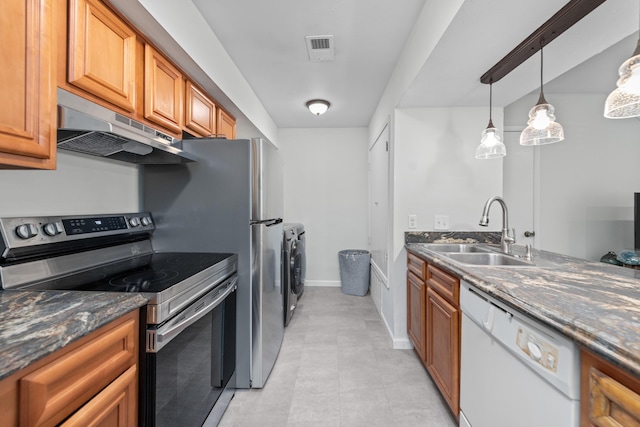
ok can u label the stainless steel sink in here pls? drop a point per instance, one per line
(491, 259)
(456, 247)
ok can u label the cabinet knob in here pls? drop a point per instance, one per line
(529, 233)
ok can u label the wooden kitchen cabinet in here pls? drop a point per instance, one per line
(433, 324)
(93, 381)
(163, 91)
(102, 53)
(226, 124)
(609, 396)
(200, 112)
(28, 84)
(417, 304)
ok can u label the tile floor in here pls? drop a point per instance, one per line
(336, 368)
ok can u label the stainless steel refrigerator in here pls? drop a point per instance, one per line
(229, 200)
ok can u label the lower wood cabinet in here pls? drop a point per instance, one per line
(443, 334)
(609, 396)
(433, 325)
(91, 382)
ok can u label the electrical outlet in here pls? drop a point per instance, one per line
(413, 221)
(441, 222)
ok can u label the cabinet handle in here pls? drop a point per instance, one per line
(529, 233)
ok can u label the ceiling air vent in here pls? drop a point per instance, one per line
(320, 48)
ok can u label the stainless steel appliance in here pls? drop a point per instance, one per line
(89, 128)
(230, 200)
(514, 370)
(187, 371)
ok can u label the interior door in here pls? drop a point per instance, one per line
(520, 187)
(379, 201)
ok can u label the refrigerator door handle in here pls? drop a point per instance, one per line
(267, 222)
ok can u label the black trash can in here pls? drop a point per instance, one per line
(354, 271)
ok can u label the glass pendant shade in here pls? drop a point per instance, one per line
(542, 127)
(491, 145)
(624, 101)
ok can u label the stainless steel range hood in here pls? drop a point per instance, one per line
(86, 127)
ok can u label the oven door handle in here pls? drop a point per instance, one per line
(156, 339)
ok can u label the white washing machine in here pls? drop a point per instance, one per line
(289, 243)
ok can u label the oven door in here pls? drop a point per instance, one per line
(190, 361)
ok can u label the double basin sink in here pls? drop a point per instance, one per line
(477, 255)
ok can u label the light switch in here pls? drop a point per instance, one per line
(413, 221)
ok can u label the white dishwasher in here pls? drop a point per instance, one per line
(514, 371)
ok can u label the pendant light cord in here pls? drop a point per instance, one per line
(490, 100)
(541, 99)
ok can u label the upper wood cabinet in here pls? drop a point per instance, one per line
(163, 91)
(226, 124)
(200, 112)
(27, 84)
(102, 53)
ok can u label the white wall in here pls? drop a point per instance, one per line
(325, 188)
(435, 173)
(81, 184)
(586, 182)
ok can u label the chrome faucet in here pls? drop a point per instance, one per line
(506, 240)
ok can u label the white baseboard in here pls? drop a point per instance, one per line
(402, 344)
(323, 283)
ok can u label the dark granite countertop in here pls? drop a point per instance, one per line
(595, 304)
(34, 324)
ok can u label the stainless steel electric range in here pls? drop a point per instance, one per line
(188, 370)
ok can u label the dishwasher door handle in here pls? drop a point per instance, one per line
(488, 324)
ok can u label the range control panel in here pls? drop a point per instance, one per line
(538, 350)
(20, 233)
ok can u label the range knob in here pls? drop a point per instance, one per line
(26, 231)
(134, 221)
(52, 228)
(146, 221)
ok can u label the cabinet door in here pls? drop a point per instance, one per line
(27, 122)
(115, 406)
(53, 392)
(417, 313)
(226, 124)
(102, 53)
(200, 112)
(443, 347)
(609, 396)
(163, 91)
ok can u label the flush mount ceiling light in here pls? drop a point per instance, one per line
(624, 101)
(318, 106)
(542, 129)
(491, 145)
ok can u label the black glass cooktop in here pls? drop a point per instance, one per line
(152, 273)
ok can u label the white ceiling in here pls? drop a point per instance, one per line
(266, 40)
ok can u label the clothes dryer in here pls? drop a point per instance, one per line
(290, 299)
(299, 266)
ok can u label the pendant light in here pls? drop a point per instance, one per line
(542, 129)
(624, 101)
(491, 145)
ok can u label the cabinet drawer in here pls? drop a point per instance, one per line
(612, 403)
(417, 266)
(51, 393)
(446, 285)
